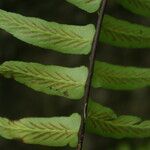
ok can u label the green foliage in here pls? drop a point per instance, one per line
(50, 35)
(70, 82)
(141, 7)
(104, 122)
(87, 5)
(119, 77)
(54, 80)
(122, 33)
(56, 131)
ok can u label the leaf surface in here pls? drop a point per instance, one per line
(119, 77)
(87, 5)
(104, 122)
(140, 7)
(49, 79)
(56, 131)
(50, 35)
(122, 33)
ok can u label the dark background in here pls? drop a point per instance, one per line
(17, 101)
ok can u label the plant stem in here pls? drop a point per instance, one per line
(90, 75)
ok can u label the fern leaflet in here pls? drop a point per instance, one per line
(115, 126)
(50, 35)
(122, 33)
(120, 78)
(87, 5)
(53, 80)
(56, 131)
(140, 7)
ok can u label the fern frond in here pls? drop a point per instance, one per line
(56, 131)
(140, 7)
(122, 33)
(87, 5)
(120, 78)
(112, 126)
(50, 35)
(53, 80)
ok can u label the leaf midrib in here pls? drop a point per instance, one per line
(114, 76)
(27, 129)
(49, 33)
(128, 34)
(76, 84)
(137, 126)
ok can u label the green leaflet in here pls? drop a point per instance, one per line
(87, 5)
(141, 7)
(120, 78)
(56, 131)
(122, 33)
(50, 35)
(104, 122)
(54, 80)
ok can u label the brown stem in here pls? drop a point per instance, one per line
(90, 75)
